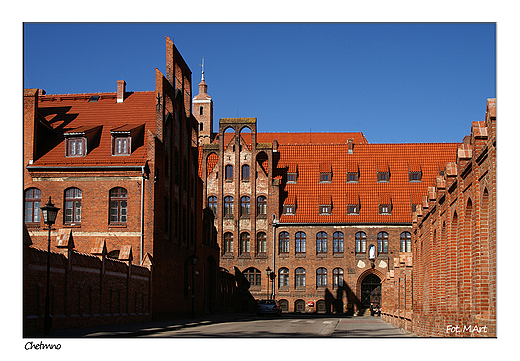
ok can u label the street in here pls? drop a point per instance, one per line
(291, 326)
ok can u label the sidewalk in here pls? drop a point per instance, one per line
(367, 326)
(145, 328)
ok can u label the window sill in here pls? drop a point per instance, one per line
(228, 256)
(300, 289)
(33, 225)
(245, 256)
(72, 225)
(283, 255)
(321, 255)
(301, 255)
(261, 255)
(117, 225)
(338, 255)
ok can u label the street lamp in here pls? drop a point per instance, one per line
(193, 261)
(49, 213)
(268, 270)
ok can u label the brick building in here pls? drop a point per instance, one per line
(448, 286)
(123, 169)
(326, 212)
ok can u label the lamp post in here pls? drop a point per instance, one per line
(49, 213)
(268, 270)
(193, 261)
(273, 274)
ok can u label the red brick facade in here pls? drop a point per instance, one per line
(323, 191)
(123, 167)
(454, 248)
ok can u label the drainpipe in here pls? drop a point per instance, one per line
(142, 216)
(275, 224)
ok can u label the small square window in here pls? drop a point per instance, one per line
(353, 209)
(383, 176)
(353, 177)
(291, 177)
(325, 177)
(288, 209)
(415, 176)
(385, 209)
(325, 209)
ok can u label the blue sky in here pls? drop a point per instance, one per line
(395, 82)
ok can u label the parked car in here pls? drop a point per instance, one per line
(268, 307)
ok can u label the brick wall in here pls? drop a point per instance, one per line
(454, 246)
(85, 289)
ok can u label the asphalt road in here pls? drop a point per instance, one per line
(291, 326)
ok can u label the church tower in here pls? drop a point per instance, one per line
(203, 111)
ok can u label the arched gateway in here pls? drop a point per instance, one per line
(370, 291)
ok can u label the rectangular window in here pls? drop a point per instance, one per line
(325, 209)
(325, 177)
(76, 147)
(291, 177)
(414, 176)
(383, 176)
(352, 209)
(385, 209)
(352, 177)
(288, 209)
(121, 146)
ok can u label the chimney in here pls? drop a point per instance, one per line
(121, 84)
(350, 146)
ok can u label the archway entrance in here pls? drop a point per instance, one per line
(370, 291)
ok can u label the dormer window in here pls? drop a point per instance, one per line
(353, 204)
(353, 177)
(125, 139)
(325, 173)
(79, 140)
(385, 203)
(292, 173)
(289, 205)
(325, 204)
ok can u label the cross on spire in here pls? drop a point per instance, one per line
(202, 66)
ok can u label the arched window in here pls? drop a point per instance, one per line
(245, 206)
(245, 172)
(228, 242)
(382, 242)
(300, 242)
(118, 205)
(337, 239)
(261, 205)
(212, 204)
(229, 172)
(283, 277)
(321, 277)
(245, 243)
(361, 242)
(261, 243)
(283, 242)
(321, 242)
(337, 277)
(299, 276)
(228, 205)
(72, 209)
(406, 242)
(32, 204)
(254, 276)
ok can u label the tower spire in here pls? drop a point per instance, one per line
(202, 66)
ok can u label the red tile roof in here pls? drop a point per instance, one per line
(73, 112)
(368, 158)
